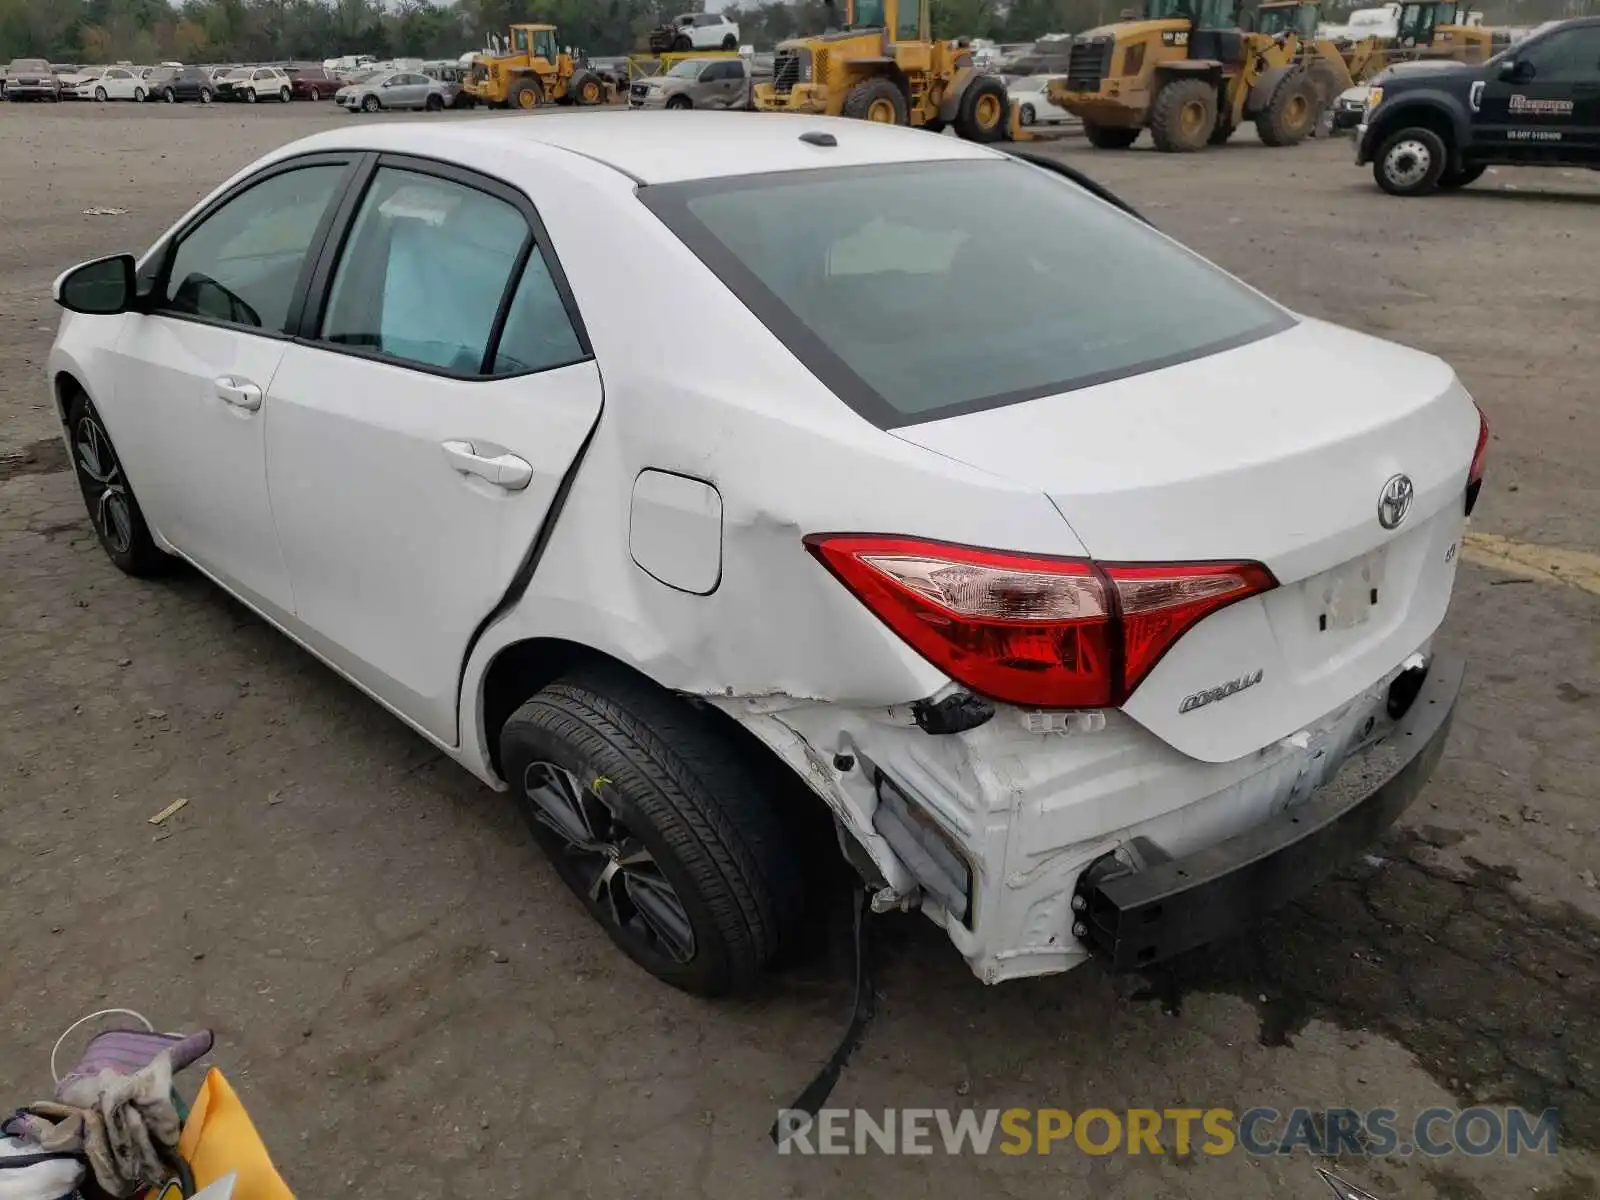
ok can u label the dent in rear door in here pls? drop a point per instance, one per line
(408, 483)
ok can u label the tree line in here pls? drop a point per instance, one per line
(197, 31)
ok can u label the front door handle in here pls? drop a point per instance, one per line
(503, 470)
(240, 393)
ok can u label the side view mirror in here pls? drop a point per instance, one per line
(102, 287)
(1516, 72)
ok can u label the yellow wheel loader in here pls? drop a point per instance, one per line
(533, 71)
(880, 64)
(1333, 65)
(1436, 29)
(1191, 76)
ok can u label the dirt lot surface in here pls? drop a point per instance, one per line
(410, 1002)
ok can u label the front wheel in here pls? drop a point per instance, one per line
(1452, 180)
(100, 95)
(1291, 114)
(657, 824)
(981, 114)
(1026, 115)
(680, 102)
(877, 99)
(370, 104)
(250, 96)
(113, 511)
(1109, 137)
(1183, 116)
(205, 95)
(1410, 162)
(285, 95)
(170, 96)
(138, 95)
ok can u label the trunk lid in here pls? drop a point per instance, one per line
(1276, 452)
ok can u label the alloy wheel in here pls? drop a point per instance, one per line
(619, 873)
(103, 484)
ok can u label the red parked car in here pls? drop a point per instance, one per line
(313, 83)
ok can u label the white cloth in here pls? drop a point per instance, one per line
(54, 1178)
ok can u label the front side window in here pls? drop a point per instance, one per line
(519, 40)
(241, 264)
(1569, 56)
(423, 271)
(859, 272)
(868, 14)
(544, 44)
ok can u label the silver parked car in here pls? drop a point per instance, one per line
(397, 89)
(695, 83)
(31, 79)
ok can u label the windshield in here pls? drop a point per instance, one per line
(1300, 18)
(868, 14)
(689, 69)
(855, 270)
(243, 74)
(1206, 14)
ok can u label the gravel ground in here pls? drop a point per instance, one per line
(409, 1001)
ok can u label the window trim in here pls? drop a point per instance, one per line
(156, 299)
(670, 204)
(320, 289)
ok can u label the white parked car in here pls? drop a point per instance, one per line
(705, 31)
(118, 83)
(1031, 94)
(1058, 627)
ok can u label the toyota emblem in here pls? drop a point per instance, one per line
(1395, 501)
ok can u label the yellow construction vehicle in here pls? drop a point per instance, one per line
(1333, 65)
(881, 64)
(1191, 76)
(533, 71)
(1436, 29)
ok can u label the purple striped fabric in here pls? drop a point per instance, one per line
(126, 1051)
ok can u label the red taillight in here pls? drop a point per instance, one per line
(1032, 629)
(1479, 454)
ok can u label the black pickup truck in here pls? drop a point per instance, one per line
(1535, 104)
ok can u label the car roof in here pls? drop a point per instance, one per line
(667, 147)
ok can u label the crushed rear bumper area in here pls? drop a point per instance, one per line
(1134, 914)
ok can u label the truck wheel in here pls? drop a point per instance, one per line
(585, 88)
(525, 94)
(1451, 180)
(984, 110)
(680, 102)
(877, 99)
(1327, 83)
(1109, 137)
(657, 824)
(1291, 114)
(1183, 116)
(1410, 162)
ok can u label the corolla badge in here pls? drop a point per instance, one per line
(1221, 692)
(1394, 502)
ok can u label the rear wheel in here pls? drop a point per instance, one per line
(434, 103)
(657, 824)
(1183, 116)
(525, 94)
(681, 43)
(1291, 114)
(730, 42)
(981, 115)
(118, 523)
(1109, 137)
(1410, 162)
(1451, 180)
(877, 99)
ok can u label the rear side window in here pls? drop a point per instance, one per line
(926, 290)
(424, 279)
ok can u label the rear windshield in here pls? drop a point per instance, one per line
(922, 291)
(29, 64)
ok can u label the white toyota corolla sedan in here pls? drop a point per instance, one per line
(1100, 631)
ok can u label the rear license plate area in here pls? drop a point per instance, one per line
(1348, 595)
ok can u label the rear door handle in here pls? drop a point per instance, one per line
(240, 393)
(503, 470)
